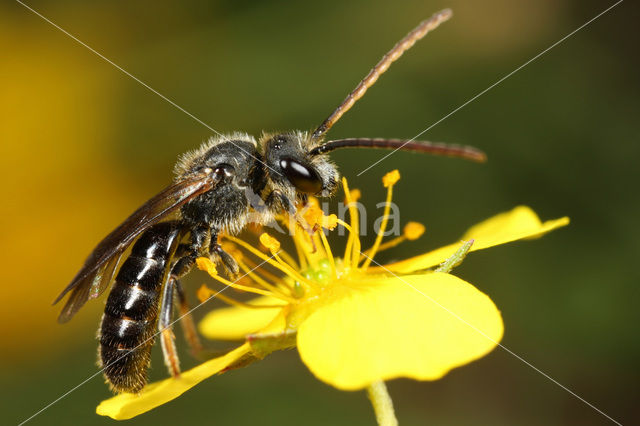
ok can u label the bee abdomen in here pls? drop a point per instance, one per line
(127, 333)
(129, 322)
(125, 348)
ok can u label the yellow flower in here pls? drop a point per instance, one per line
(354, 322)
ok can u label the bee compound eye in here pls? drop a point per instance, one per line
(302, 176)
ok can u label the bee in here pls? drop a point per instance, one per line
(215, 190)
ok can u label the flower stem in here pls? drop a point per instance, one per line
(382, 404)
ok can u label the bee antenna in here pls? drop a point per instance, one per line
(402, 46)
(434, 148)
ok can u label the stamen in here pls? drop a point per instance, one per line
(386, 245)
(251, 273)
(260, 281)
(313, 214)
(274, 247)
(289, 259)
(391, 178)
(355, 195)
(302, 257)
(348, 250)
(353, 241)
(291, 272)
(345, 224)
(317, 219)
(327, 248)
(412, 231)
(330, 222)
(302, 222)
(269, 242)
(279, 263)
(208, 266)
(388, 181)
(304, 243)
(294, 273)
(205, 293)
(260, 272)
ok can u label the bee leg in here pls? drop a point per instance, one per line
(188, 253)
(228, 262)
(186, 321)
(166, 331)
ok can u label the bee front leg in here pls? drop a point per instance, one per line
(228, 262)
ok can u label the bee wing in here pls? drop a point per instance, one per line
(93, 285)
(99, 268)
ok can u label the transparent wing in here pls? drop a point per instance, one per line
(98, 270)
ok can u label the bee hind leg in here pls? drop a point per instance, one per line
(167, 338)
(188, 325)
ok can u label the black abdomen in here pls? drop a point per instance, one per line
(130, 317)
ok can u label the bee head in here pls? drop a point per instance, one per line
(290, 164)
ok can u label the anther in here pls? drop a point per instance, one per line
(413, 230)
(269, 242)
(391, 178)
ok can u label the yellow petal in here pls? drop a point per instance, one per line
(521, 222)
(517, 224)
(128, 405)
(235, 322)
(419, 326)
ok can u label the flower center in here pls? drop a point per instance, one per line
(305, 281)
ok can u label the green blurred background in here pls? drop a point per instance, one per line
(83, 145)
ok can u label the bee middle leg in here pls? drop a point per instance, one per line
(204, 242)
(188, 253)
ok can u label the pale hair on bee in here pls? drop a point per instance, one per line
(186, 161)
